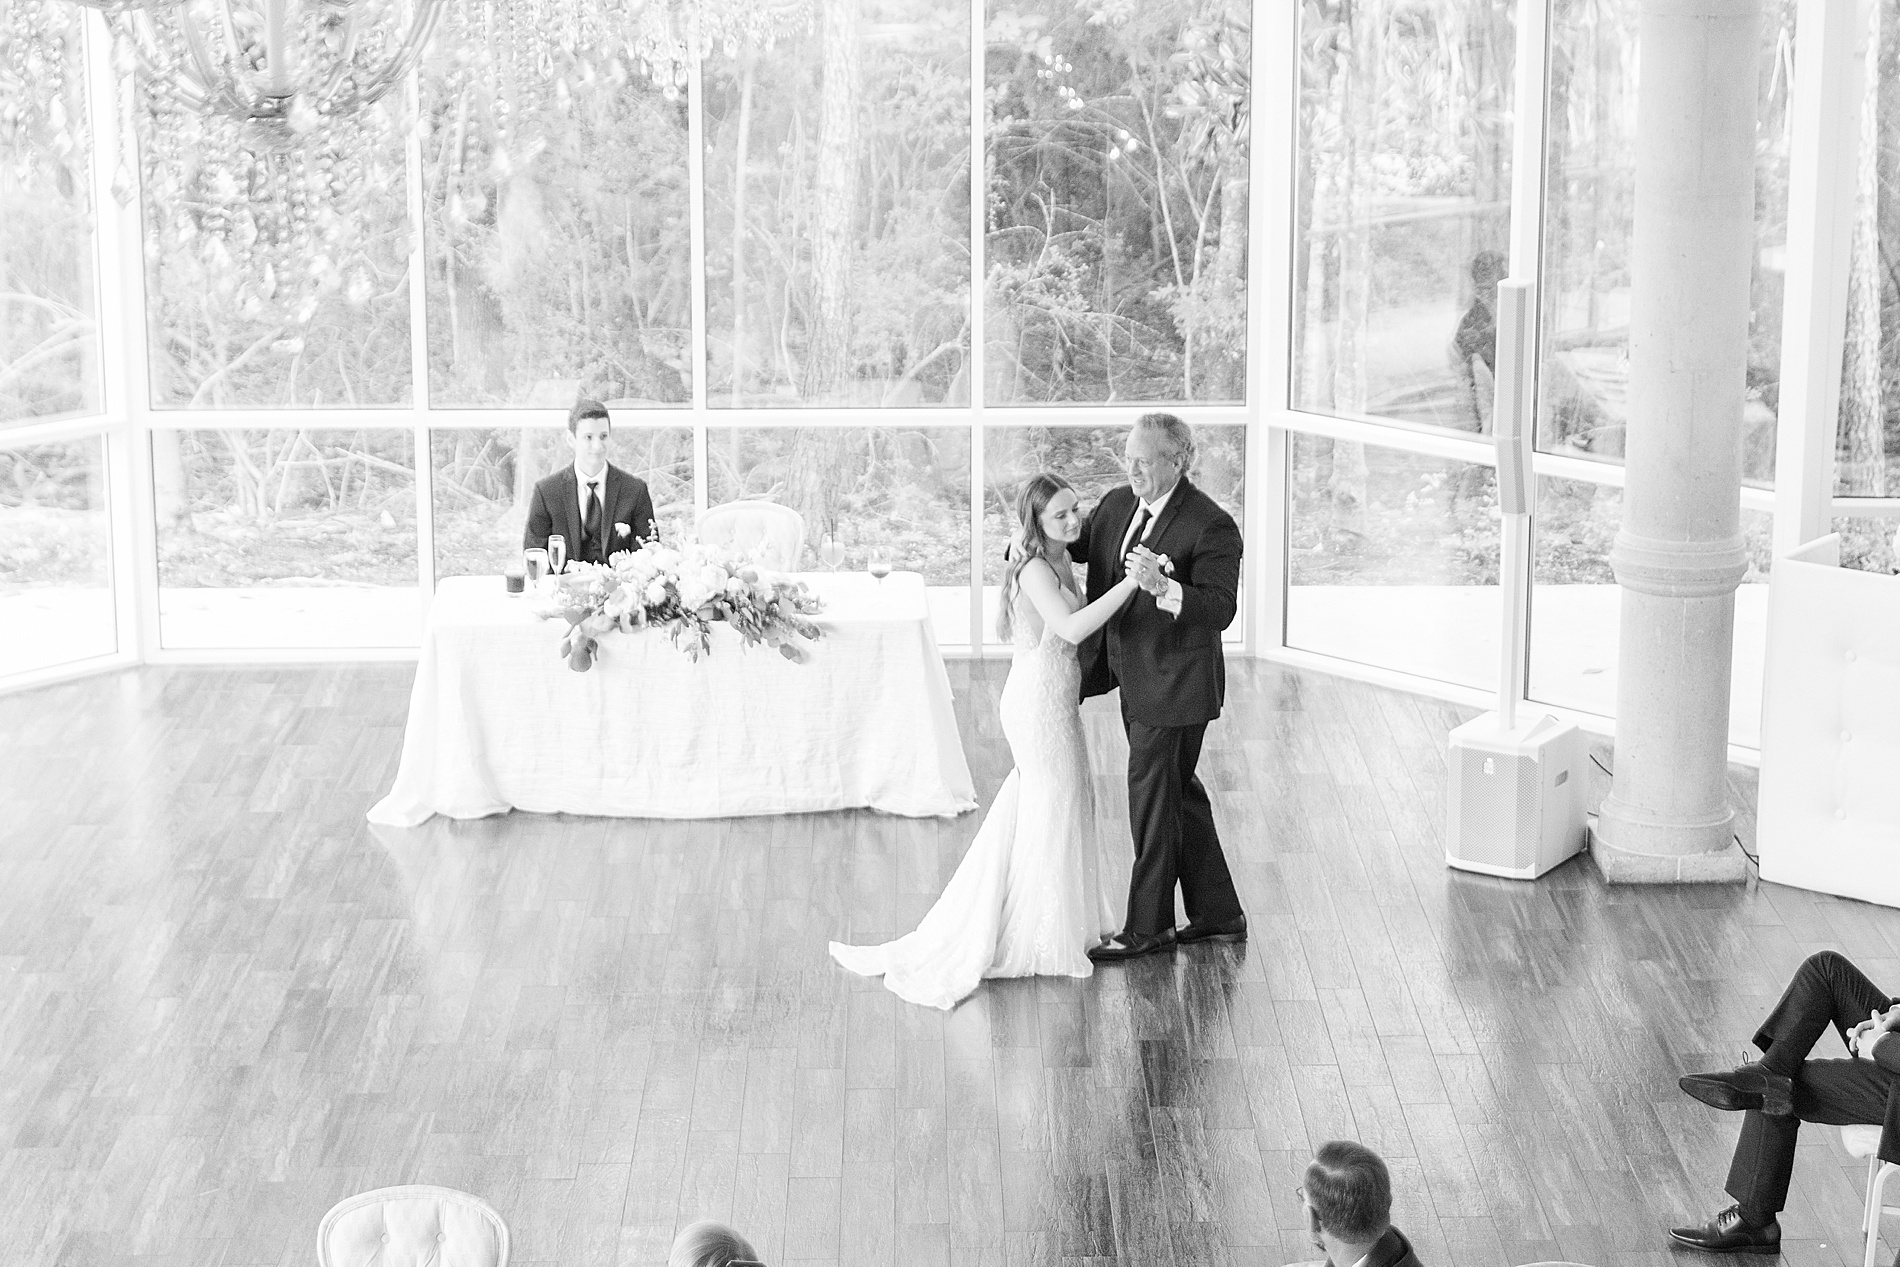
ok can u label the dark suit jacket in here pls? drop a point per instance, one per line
(1170, 669)
(1392, 1250)
(556, 507)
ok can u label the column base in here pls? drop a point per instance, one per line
(1727, 865)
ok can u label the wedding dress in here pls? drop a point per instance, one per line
(1033, 892)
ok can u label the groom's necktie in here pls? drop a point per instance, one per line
(590, 529)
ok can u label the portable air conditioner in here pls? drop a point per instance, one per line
(1516, 788)
(1516, 796)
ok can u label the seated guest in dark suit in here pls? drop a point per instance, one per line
(1348, 1196)
(598, 507)
(1784, 1089)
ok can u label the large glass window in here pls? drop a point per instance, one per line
(49, 339)
(286, 538)
(1869, 543)
(1868, 435)
(484, 476)
(1090, 458)
(1591, 179)
(1393, 560)
(1403, 208)
(838, 206)
(556, 209)
(1576, 606)
(56, 602)
(902, 490)
(277, 280)
(1116, 212)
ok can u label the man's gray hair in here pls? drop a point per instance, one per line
(1180, 436)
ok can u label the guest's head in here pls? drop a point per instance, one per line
(1158, 452)
(710, 1244)
(1488, 268)
(1348, 1195)
(587, 426)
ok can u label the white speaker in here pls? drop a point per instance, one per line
(1516, 796)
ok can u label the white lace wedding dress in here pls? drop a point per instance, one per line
(1034, 891)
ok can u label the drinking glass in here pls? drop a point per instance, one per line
(535, 560)
(880, 563)
(831, 550)
(557, 553)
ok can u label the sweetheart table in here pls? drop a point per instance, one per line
(497, 721)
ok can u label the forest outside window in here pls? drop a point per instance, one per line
(49, 337)
(559, 256)
(1583, 378)
(1403, 207)
(286, 537)
(1116, 208)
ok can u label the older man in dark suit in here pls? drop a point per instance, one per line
(1163, 649)
(599, 508)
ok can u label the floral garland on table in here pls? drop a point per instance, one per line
(682, 587)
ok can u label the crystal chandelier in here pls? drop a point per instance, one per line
(265, 130)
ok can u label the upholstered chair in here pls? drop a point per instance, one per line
(414, 1226)
(775, 532)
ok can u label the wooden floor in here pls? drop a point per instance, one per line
(229, 1002)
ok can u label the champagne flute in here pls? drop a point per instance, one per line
(557, 553)
(831, 550)
(880, 564)
(535, 560)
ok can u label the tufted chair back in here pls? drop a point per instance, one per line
(414, 1226)
(776, 532)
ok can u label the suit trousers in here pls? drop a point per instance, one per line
(1172, 820)
(1826, 990)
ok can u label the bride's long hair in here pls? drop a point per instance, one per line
(1030, 543)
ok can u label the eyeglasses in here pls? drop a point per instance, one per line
(1145, 465)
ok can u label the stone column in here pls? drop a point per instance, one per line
(1679, 555)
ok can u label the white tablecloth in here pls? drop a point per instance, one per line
(497, 721)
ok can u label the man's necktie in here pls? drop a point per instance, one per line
(590, 528)
(1134, 538)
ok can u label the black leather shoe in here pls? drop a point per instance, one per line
(1729, 1233)
(1745, 1087)
(1122, 946)
(1234, 929)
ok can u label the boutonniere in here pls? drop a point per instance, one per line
(621, 530)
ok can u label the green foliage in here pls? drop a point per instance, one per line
(558, 235)
(48, 337)
(1113, 135)
(909, 256)
(53, 528)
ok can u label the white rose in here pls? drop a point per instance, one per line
(735, 587)
(656, 593)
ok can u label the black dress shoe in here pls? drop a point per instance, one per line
(1745, 1087)
(1234, 929)
(1730, 1233)
(1122, 946)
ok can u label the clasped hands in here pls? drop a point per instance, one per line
(1862, 1038)
(1149, 570)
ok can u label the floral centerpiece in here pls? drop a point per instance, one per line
(681, 586)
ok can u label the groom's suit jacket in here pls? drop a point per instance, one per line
(1170, 668)
(556, 507)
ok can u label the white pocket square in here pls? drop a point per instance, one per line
(621, 530)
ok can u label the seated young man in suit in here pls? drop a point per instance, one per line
(599, 508)
(1784, 1089)
(1348, 1196)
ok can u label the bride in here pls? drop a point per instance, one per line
(1031, 895)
